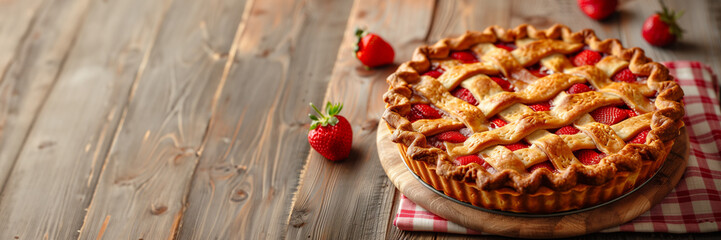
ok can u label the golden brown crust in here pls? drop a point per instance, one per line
(665, 121)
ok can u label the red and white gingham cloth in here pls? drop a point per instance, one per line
(693, 206)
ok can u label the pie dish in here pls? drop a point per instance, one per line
(533, 121)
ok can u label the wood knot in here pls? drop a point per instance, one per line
(370, 125)
(158, 210)
(239, 195)
(298, 218)
(46, 144)
(241, 169)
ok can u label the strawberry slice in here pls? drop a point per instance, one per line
(624, 75)
(497, 122)
(546, 165)
(609, 115)
(544, 106)
(578, 88)
(465, 95)
(423, 111)
(631, 113)
(567, 130)
(508, 46)
(464, 57)
(451, 136)
(640, 138)
(434, 73)
(586, 57)
(516, 146)
(503, 83)
(537, 71)
(589, 156)
(465, 160)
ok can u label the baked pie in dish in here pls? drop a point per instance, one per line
(533, 121)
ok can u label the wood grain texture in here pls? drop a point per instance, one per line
(16, 19)
(355, 191)
(256, 146)
(53, 179)
(144, 109)
(32, 69)
(570, 225)
(145, 180)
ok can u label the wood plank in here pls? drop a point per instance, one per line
(142, 190)
(701, 22)
(356, 192)
(16, 20)
(453, 18)
(32, 71)
(53, 179)
(256, 146)
(546, 13)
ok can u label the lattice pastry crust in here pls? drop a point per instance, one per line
(656, 100)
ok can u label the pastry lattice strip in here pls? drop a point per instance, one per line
(544, 145)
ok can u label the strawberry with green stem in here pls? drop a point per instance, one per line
(330, 134)
(372, 50)
(661, 29)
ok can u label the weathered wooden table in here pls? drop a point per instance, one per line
(164, 119)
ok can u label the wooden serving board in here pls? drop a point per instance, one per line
(575, 224)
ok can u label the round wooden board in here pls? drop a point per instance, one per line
(590, 221)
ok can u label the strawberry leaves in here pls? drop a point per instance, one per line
(325, 119)
(669, 17)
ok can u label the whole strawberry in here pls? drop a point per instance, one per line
(372, 50)
(660, 29)
(330, 134)
(598, 9)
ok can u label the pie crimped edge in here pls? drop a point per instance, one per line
(542, 190)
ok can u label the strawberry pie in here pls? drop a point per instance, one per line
(533, 121)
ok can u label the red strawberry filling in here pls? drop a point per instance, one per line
(465, 160)
(640, 138)
(435, 72)
(516, 146)
(506, 45)
(624, 75)
(578, 88)
(423, 111)
(501, 81)
(631, 113)
(451, 136)
(586, 57)
(464, 57)
(567, 130)
(544, 106)
(465, 95)
(609, 115)
(547, 165)
(497, 122)
(538, 71)
(589, 156)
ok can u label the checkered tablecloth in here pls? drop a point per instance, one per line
(693, 206)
